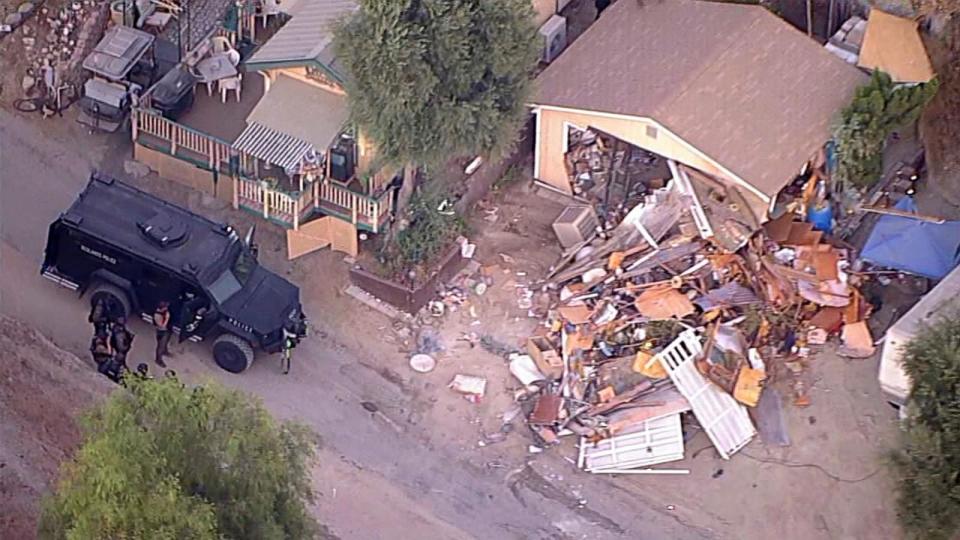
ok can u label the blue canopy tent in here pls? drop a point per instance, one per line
(913, 245)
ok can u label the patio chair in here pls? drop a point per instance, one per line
(234, 56)
(230, 83)
(220, 44)
(267, 8)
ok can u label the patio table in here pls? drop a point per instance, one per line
(216, 67)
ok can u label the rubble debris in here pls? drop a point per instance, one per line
(525, 369)
(663, 302)
(546, 410)
(731, 294)
(724, 420)
(857, 342)
(769, 419)
(659, 440)
(748, 386)
(429, 341)
(471, 386)
(676, 298)
(545, 356)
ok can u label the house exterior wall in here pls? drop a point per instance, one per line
(551, 143)
(300, 73)
(543, 10)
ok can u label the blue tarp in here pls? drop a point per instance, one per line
(912, 245)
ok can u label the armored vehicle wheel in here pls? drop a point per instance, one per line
(117, 302)
(232, 353)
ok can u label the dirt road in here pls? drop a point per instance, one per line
(378, 476)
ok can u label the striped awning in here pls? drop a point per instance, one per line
(273, 146)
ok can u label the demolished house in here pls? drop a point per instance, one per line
(730, 91)
(680, 128)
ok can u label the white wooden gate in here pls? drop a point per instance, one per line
(657, 440)
(725, 421)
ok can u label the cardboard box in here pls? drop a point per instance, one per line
(545, 356)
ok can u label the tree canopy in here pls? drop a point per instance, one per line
(878, 108)
(164, 461)
(429, 80)
(928, 460)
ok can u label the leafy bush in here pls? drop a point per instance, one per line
(429, 233)
(928, 459)
(878, 108)
(167, 462)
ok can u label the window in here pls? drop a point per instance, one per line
(652, 132)
(233, 278)
(244, 265)
(224, 287)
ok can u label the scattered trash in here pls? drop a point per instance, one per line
(422, 363)
(428, 341)
(525, 369)
(496, 347)
(674, 308)
(472, 387)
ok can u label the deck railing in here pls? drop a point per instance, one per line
(214, 151)
(363, 209)
(288, 208)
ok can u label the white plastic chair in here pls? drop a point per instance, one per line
(269, 7)
(230, 83)
(220, 44)
(234, 57)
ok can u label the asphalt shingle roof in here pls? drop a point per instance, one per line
(308, 35)
(734, 81)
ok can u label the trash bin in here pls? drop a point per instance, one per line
(173, 95)
(821, 218)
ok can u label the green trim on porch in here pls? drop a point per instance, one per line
(279, 64)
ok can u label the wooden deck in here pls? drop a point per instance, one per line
(204, 136)
(224, 120)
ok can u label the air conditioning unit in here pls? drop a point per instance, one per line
(554, 34)
(576, 224)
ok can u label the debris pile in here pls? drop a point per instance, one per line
(611, 174)
(56, 44)
(661, 316)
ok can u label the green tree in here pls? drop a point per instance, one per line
(929, 7)
(163, 461)
(928, 459)
(878, 108)
(430, 80)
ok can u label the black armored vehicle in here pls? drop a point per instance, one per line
(133, 250)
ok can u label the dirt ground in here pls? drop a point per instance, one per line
(822, 485)
(25, 48)
(418, 464)
(42, 388)
(940, 124)
(377, 473)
